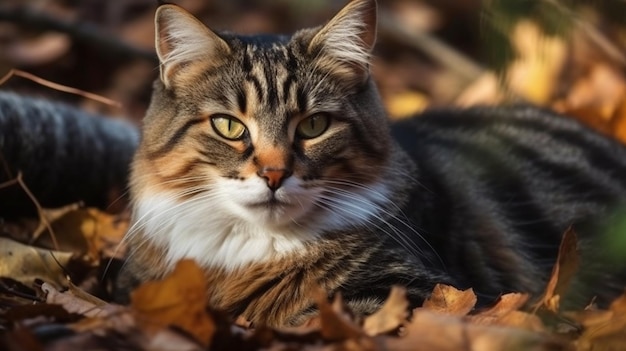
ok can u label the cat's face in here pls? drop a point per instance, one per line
(275, 131)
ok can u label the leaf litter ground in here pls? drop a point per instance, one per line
(171, 314)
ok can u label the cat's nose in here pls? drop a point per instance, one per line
(274, 176)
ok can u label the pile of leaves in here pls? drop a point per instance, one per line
(66, 310)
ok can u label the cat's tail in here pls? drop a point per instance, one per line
(63, 154)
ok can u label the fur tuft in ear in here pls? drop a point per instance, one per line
(345, 43)
(181, 39)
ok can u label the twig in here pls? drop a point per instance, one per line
(60, 87)
(5, 165)
(107, 44)
(8, 183)
(594, 35)
(430, 46)
(43, 221)
(5, 287)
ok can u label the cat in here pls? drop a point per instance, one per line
(270, 161)
(64, 155)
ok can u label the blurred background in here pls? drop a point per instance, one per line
(563, 54)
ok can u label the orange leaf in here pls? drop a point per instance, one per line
(566, 266)
(430, 331)
(449, 300)
(179, 300)
(391, 316)
(335, 324)
(506, 313)
(603, 330)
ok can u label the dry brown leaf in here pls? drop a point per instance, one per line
(88, 231)
(450, 300)
(168, 340)
(602, 330)
(430, 331)
(506, 313)
(334, 321)
(180, 299)
(619, 305)
(26, 263)
(618, 122)
(391, 315)
(596, 97)
(75, 300)
(39, 50)
(485, 90)
(564, 269)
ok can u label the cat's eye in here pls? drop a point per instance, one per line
(228, 127)
(313, 126)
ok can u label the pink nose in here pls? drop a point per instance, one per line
(274, 176)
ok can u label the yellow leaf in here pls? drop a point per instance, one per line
(26, 263)
(179, 300)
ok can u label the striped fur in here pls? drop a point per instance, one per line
(474, 198)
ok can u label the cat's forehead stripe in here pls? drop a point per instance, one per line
(270, 70)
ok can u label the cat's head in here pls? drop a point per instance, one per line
(275, 130)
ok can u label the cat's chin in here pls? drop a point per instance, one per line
(255, 203)
(275, 212)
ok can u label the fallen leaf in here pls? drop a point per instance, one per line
(595, 98)
(450, 300)
(26, 263)
(20, 339)
(485, 90)
(335, 324)
(431, 330)
(602, 329)
(618, 122)
(87, 231)
(75, 301)
(568, 260)
(405, 104)
(533, 75)
(506, 312)
(179, 299)
(391, 315)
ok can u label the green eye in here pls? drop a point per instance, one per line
(228, 127)
(313, 126)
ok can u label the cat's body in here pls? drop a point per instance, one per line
(63, 154)
(271, 163)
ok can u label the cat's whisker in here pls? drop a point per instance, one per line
(401, 236)
(140, 222)
(336, 204)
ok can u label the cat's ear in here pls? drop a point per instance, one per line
(344, 44)
(181, 39)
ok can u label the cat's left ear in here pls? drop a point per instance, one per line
(344, 44)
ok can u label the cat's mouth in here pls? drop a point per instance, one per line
(271, 203)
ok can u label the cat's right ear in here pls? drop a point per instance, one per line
(344, 44)
(181, 39)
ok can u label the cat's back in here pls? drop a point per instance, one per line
(498, 187)
(515, 141)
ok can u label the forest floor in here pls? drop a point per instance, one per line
(54, 293)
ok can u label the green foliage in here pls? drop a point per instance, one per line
(499, 17)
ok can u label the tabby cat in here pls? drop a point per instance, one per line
(270, 161)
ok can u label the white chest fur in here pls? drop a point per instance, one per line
(215, 229)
